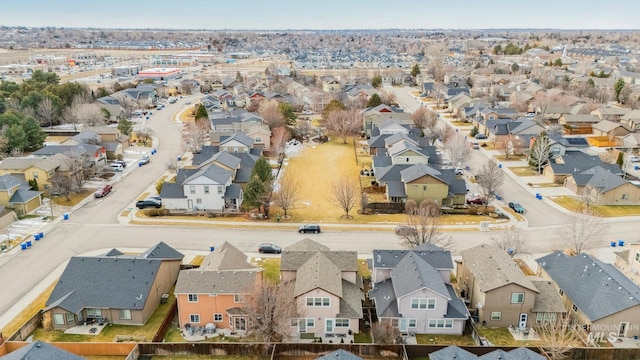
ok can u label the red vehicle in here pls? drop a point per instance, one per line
(103, 191)
(476, 201)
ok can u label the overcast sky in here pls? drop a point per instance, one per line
(325, 14)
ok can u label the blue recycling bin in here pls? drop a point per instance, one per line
(620, 242)
(636, 168)
(154, 151)
(65, 216)
(613, 244)
(498, 197)
(212, 248)
(41, 234)
(23, 246)
(36, 237)
(179, 158)
(140, 164)
(499, 166)
(28, 243)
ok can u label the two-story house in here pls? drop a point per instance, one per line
(17, 195)
(412, 289)
(327, 289)
(373, 117)
(596, 294)
(93, 155)
(31, 169)
(219, 291)
(500, 294)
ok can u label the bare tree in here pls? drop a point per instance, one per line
(345, 192)
(76, 166)
(273, 309)
(270, 113)
(288, 192)
(458, 149)
(383, 332)
(279, 138)
(511, 240)
(490, 178)
(144, 135)
(46, 112)
(343, 123)
(195, 136)
(540, 153)
(423, 225)
(389, 98)
(557, 338)
(303, 128)
(439, 91)
(424, 118)
(582, 231)
(61, 185)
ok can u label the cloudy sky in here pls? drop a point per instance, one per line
(326, 14)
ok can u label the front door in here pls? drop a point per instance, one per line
(623, 329)
(302, 325)
(403, 325)
(523, 321)
(328, 328)
(189, 204)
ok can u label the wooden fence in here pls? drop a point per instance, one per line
(386, 208)
(27, 328)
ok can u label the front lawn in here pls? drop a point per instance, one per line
(362, 338)
(574, 204)
(522, 171)
(510, 158)
(458, 340)
(74, 198)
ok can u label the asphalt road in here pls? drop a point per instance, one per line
(95, 226)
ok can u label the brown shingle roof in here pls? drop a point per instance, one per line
(226, 257)
(318, 272)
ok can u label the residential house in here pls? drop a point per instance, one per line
(499, 293)
(31, 169)
(39, 350)
(17, 195)
(422, 182)
(373, 117)
(454, 352)
(456, 104)
(611, 113)
(339, 354)
(237, 143)
(561, 145)
(610, 129)
(219, 292)
(631, 141)
(113, 106)
(331, 85)
(114, 287)
(631, 120)
(412, 289)
(92, 155)
(628, 262)
(518, 132)
(327, 289)
(574, 162)
(596, 294)
(603, 187)
(579, 123)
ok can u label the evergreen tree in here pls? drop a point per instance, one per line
(125, 126)
(415, 71)
(376, 81)
(201, 112)
(374, 101)
(617, 88)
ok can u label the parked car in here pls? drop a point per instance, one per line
(144, 160)
(634, 158)
(307, 112)
(103, 191)
(269, 249)
(142, 204)
(475, 146)
(476, 201)
(121, 162)
(404, 230)
(116, 167)
(309, 228)
(459, 171)
(516, 207)
(481, 136)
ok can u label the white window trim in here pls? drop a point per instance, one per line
(496, 312)
(191, 318)
(190, 298)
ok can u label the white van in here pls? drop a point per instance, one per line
(116, 167)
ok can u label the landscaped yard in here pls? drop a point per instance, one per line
(511, 157)
(500, 337)
(362, 338)
(28, 312)
(458, 340)
(74, 198)
(522, 171)
(110, 331)
(576, 205)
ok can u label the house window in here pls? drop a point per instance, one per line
(318, 301)
(125, 314)
(311, 322)
(217, 317)
(496, 315)
(219, 190)
(574, 307)
(206, 189)
(194, 318)
(413, 323)
(239, 298)
(70, 318)
(94, 313)
(294, 322)
(625, 196)
(258, 139)
(342, 323)
(58, 319)
(424, 188)
(192, 189)
(198, 201)
(517, 298)
(193, 297)
(422, 304)
(235, 149)
(442, 323)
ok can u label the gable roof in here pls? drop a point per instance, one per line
(598, 289)
(307, 244)
(162, 251)
(493, 268)
(172, 190)
(318, 272)
(599, 178)
(239, 137)
(412, 273)
(436, 256)
(547, 299)
(419, 170)
(26, 163)
(9, 182)
(452, 352)
(226, 257)
(40, 350)
(212, 172)
(199, 281)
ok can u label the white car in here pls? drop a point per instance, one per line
(307, 112)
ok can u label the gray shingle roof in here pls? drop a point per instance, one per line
(24, 196)
(438, 258)
(172, 191)
(307, 244)
(456, 308)
(351, 301)
(26, 163)
(39, 350)
(547, 299)
(492, 268)
(601, 179)
(318, 272)
(233, 191)
(226, 257)
(523, 353)
(198, 281)
(162, 251)
(212, 172)
(419, 170)
(226, 159)
(205, 155)
(339, 355)
(239, 137)
(596, 288)
(8, 182)
(385, 299)
(396, 189)
(413, 273)
(452, 353)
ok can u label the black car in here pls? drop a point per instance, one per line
(481, 136)
(269, 249)
(309, 228)
(148, 203)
